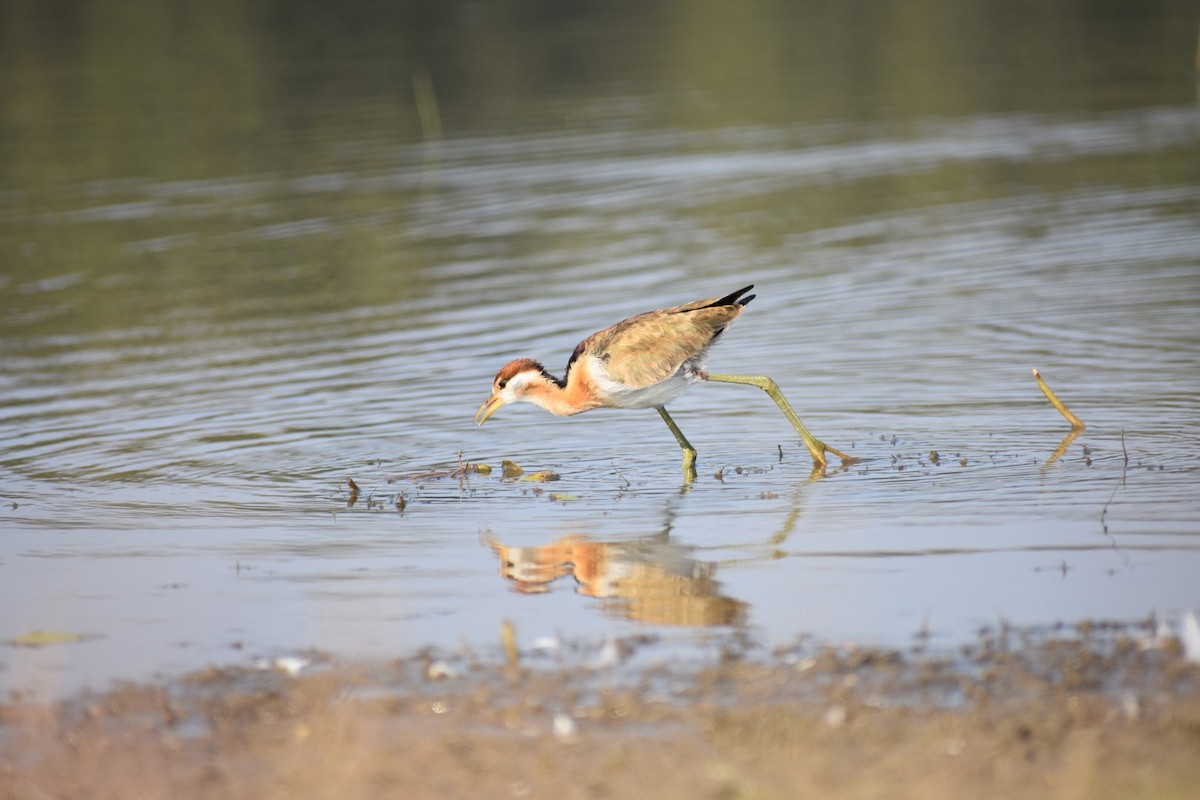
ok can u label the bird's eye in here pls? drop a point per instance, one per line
(500, 384)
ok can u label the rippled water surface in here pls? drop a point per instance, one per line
(199, 358)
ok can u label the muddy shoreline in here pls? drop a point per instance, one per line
(1092, 711)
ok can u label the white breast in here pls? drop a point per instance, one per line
(618, 395)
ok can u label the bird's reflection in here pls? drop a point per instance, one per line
(652, 580)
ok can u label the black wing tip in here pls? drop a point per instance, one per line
(735, 298)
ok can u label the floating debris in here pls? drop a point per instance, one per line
(463, 469)
(289, 665)
(49, 638)
(565, 728)
(1189, 635)
(835, 716)
(542, 476)
(610, 654)
(547, 644)
(440, 670)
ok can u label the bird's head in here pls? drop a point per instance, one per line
(517, 382)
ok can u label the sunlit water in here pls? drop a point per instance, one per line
(174, 473)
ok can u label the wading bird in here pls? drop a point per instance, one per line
(642, 362)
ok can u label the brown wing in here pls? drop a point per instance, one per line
(644, 350)
(731, 299)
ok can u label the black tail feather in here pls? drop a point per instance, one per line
(735, 298)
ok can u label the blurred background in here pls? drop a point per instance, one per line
(102, 99)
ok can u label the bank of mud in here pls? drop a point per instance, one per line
(1091, 711)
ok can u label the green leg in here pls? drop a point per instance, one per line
(689, 452)
(815, 446)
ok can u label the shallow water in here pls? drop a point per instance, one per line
(197, 357)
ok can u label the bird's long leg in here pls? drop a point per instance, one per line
(689, 452)
(815, 446)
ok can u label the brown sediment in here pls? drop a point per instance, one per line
(1078, 715)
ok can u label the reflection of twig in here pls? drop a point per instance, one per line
(1104, 511)
(623, 479)
(1107, 503)
(508, 637)
(1061, 450)
(430, 116)
(1076, 423)
(427, 107)
(1197, 75)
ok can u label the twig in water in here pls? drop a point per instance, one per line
(621, 477)
(1076, 422)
